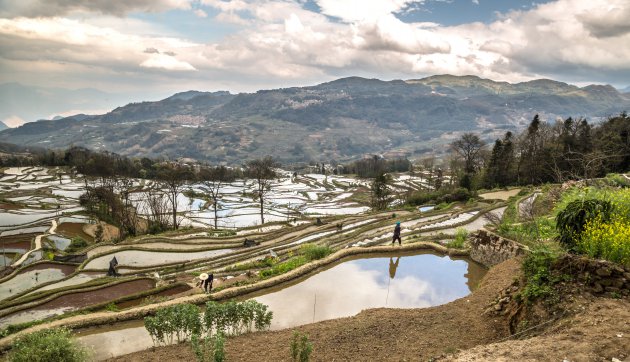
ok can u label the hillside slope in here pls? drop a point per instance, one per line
(338, 120)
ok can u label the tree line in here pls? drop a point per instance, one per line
(544, 152)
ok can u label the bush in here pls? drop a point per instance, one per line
(209, 348)
(233, 318)
(539, 279)
(570, 222)
(314, 252)
(76, 243)
(180, 321)
(460, 239)
(301, 348)
(49, 345)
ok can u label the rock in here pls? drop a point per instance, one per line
(504, 300)
(626, 275)
(606, 282)
(612, 289)
(597, 288)
(603, 272)
(617, 282)
(498, 307)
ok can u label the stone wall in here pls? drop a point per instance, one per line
(599, 276)
(490, 249)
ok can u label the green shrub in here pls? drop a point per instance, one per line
(77, 243)
(209, 348)
(301, 348)
(180, 321)
(570, 222)
(460, 239)
(233, 318)
(49, 345)
(314, 252)
(539, 279)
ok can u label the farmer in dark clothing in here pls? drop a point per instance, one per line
(209, 283)
(397, 234)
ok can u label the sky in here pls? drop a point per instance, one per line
(153, 48)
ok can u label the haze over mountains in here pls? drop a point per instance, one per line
(338, 120)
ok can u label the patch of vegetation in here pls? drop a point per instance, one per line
(210, 348)
(608, 240)
(314, 252)
(283, 267)
(256, 264)
(48, 345)
(178, 322)
(77, 243)
(571, 220)
(539, 278)
(301, 348)
(234, 318)
(460, 239)
(444, 195)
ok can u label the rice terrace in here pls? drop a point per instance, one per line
(314, 180)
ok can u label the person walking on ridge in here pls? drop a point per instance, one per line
(397, 234)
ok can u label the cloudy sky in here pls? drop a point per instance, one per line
(158, 47)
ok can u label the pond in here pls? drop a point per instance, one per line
(401, 280)
(406, 281)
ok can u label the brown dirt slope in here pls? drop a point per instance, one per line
(600, 331)
(376, 334)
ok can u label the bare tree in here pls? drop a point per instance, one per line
(469, 147)
(174, 178)
(214, 179)
(262, 171)
(157, 210)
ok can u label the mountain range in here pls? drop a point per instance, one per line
(339, 120)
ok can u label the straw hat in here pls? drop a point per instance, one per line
(203, 276)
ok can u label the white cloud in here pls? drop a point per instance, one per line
(360, 10)
(476, 2)
(200, 13)
(280, 43)
(164, 61)
(13, 121)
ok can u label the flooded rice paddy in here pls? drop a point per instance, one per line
(400, 280)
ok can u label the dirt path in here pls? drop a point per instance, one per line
(377, 334)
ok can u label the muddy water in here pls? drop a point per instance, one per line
(389, 280)
(141, 258)
(32, 277)
(78, 300)
(408, 281)
(73, 229)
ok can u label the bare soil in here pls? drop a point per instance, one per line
(376, 334)
(599, 331)
(110, 232)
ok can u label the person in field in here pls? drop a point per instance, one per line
(397, 234)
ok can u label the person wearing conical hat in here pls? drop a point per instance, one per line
(206, 281)
(397, 234)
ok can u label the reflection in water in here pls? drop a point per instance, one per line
(393, 266)
(348, 288)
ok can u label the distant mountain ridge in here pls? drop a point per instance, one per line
(338, 120)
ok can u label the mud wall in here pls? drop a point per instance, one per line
(490, 249)
(600, 276)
